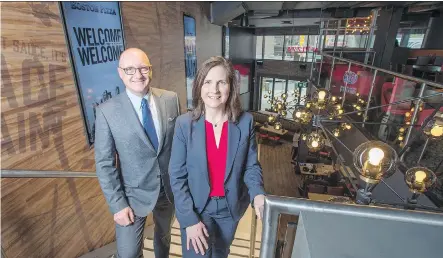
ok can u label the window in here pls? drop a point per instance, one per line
(266, 90)
(415, 40)
(259, 48)
(275, 87)
(273, 47)
(296, 47)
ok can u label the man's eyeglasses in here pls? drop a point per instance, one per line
(133, 70)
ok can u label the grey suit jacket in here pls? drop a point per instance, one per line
(119, 136)
(189, 170)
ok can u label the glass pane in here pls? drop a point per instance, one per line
(355, 41)
(273, 47)
(296, 47)
(259, 48)
(266, 87)
(279, 87)
(415, 40)
(292, 86)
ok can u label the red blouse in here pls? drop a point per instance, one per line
(216, 158)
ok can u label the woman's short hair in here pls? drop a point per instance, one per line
(233, 105)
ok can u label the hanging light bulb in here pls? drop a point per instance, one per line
(271, 119)
(284, 96)
(302, 115)
(375, 160)
(336, 132)
(419, 179)
(346, 126)
(320, 98)
(434, 128)
(315, 141)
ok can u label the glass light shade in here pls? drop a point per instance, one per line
(419, 179)
(284, 96)
(271, 119)
(375, 160)
(302, 115)
(320, 98)
(337, 110)
(336, 132)
(346, 126)
(278, 126)
(315, 141)
(434, 128)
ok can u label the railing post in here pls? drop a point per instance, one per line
(330, 76)
(319, 70)
(374, 14)
(254, 220)
(252, 236)
(414, 117)
(369, 98)
(423, 151)
(270, 229)
(346, 86)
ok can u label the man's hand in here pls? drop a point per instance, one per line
(196, 235)
(124, 217)
(259, 205)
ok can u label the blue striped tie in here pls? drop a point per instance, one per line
(148, 124)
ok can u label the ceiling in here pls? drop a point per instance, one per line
(254, 14)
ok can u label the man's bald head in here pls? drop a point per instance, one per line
(135, 70)
(132, 54)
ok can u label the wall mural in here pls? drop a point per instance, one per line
(95, 38)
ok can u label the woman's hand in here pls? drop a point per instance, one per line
(259, 205)
(196, 235)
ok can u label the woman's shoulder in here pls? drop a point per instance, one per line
(184, 118)
(245, 118)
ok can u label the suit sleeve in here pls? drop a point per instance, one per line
(184, 204)
(253, 177)
(105, 160)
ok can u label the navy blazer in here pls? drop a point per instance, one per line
(189, 174)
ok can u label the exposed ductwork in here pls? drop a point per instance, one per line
(223, 12)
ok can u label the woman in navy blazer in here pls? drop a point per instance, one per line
(214, 170)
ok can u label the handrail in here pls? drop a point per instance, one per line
(276, 205)
(8, 173)
(399, 75)
(348, 51)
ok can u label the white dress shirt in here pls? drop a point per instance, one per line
(137, 103)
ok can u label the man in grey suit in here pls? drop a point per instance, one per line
(133, 139)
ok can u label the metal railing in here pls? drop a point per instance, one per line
(274, 206)
(367, 53)
(9, 173)
(376, 71)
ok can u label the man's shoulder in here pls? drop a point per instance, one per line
(111, 103)
(165, 93)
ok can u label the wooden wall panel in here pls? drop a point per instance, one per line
(54, 217)
(42, 127)
(157, 29)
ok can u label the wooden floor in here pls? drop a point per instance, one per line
(279, 177)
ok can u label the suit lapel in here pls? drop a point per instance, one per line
(161, 112)
(132, 118)
(199, 139)
(233, 141)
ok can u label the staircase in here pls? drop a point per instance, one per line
(239, 248)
